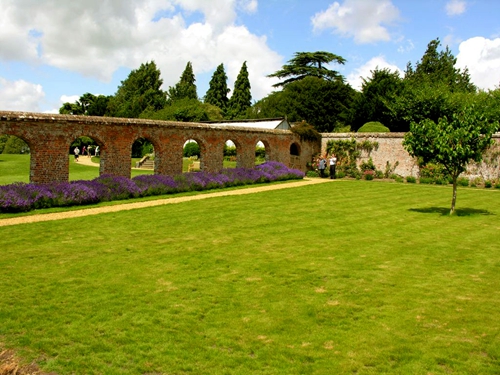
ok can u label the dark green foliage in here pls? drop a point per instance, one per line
(326, 105)
(462, 181)
(434, 89)
(71, 109)
(15, 145)
(186, 110)
(88, 104)
(425, 180)
(260, 153)
(241, 100)
(142, 147)
(3, 140)
(99, 106)
(218, 90)
(376, 92)
(306, 132)
(186, 87)
(411, 179)
(373, 127)
(309, 64)
(138, 93)
(488, 184)
(191, 149)
(439, 67)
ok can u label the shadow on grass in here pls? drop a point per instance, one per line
(446, 211)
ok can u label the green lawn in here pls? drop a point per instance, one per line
(345, 277)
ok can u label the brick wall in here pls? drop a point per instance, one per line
(390, 150)
(50, 136)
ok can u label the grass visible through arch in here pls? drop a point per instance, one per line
(345, 277)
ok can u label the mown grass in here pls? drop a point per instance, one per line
(343, 277)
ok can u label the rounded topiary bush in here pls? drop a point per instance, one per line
(373, 127)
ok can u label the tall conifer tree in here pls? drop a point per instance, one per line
(218, 90)
(186, 87)
(241, 99)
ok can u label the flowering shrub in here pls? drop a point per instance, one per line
(21, 197)
(369, 174)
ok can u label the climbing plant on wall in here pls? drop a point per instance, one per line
(348, 152)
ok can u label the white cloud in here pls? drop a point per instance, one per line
(96, 37)
(355, 78)
(69, 98)
(455, 7)
(361, 19)
(249, 6)
(20, 96)
(482, 57)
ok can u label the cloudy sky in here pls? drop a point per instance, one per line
(52, 51)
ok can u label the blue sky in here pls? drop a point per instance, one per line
(52, 51)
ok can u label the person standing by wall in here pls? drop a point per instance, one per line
(322, 166)
(333, 165)
(77, 153)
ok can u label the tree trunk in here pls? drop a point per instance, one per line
(454, 198)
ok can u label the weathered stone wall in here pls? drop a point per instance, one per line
(390, 150)
(50, 136)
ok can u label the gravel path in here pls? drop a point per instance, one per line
(158, 202)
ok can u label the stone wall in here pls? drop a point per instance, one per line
(50, 136)
(390, 150)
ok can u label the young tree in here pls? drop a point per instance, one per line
(309, 64)
(186, 87)
(241, 99)
(218, 90)
(139, 92)
(452, 143)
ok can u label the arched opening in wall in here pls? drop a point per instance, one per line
(84, 153)
(230, 159)
(191, 156)
(261, 152)
(143, 157)
(15, 160)
(295, 156)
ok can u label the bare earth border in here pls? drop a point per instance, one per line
(158, 202)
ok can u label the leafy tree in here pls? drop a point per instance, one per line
(434, 89)
(15, 145)
(451, 142)
(376, 94)
(3, 140)
(186, 87)
(309, 64)
(241, 99)
(191, 149)
(87, 104)
(99, 106)
(326, 105)
(71, 109)
(218, 90)
(187, 110)
(439, 67)
(139, 92)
